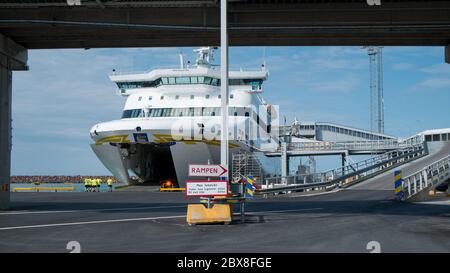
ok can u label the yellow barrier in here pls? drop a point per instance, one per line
(56, 189)
(199, 214)
(172, 189)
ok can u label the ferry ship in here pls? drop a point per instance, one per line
(172, 118)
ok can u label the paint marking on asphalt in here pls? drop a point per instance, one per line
(93, 222)
(137, 219)
(281, 211)
(87, 210)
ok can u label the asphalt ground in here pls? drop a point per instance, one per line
(343, 221)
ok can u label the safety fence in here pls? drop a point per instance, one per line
(437, 172)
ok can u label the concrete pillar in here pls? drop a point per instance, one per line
(12, 57)
(447, 54)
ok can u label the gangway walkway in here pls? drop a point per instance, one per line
(345, 147)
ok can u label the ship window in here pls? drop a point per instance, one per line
(436, 137)
(231, 96)
(165, 80)
(140, 98)
(444, 137)
(166, 112)
(235, 114)
(201, 79)
(126, 114)
(192, 97)
(215, 82)
(197, 111)
(135, 113)
(207, 80)
(156, 83)
(171, 80)
(194, 80)
(162, 97)
(177, 97)
(150, 98)
(207, 96)
(153, 113)
(235, 82)
(191, 111)
(428, 138)
(247, 114)
(219, 96)
(448, 137)
(183, 80)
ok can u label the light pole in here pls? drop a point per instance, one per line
(224, 84)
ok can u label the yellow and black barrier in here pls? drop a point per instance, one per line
(398, 185)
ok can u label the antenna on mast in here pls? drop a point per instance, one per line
(182, 62)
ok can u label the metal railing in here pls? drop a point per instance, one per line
(346, 175)
(377, 145)
(432, 174)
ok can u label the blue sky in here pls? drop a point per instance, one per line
(65, 92)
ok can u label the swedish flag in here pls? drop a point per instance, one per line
(249, 187)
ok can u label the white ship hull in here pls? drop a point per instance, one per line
(154, 154)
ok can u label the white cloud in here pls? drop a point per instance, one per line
(341, 85)
(441, 68)
(436, 83)
(404, 66)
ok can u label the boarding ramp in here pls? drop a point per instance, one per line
(347, 175)
(418, 185)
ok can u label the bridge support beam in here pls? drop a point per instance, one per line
(447, 54)
(344, 160)
(12, 57)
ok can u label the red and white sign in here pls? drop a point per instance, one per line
(206, 188)
(207, 170)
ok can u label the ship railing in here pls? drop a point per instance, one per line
(214, 66)
(352, 145)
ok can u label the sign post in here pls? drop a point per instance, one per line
(224, 100)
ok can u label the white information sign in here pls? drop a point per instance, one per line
(206, 188)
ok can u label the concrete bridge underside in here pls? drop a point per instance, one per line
(104, 23)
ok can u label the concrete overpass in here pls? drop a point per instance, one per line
(39, 24)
